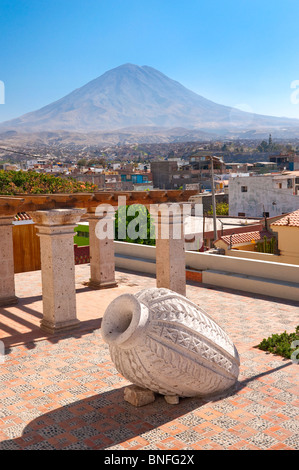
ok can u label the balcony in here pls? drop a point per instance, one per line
(60, 389)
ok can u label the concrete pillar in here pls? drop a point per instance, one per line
(101, 249)
(7, 281)
(170, 252)
(56, 232)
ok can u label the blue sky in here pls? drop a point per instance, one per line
(240, 53)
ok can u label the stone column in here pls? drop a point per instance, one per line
(56, 232)
(101, 246)
(7, 281)
(170, 252)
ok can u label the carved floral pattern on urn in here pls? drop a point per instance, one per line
(162, 341)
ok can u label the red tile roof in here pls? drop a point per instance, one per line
(246, 237)
(22, 216)
(291, 220)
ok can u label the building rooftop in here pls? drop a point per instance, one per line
(237, 238)
(63, 391)
(22, 216)
(291, 220)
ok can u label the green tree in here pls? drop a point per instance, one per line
(263, 146)
(221, 209)
(17, 182)
(127, 215)
(82, 162)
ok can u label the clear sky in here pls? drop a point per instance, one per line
(242, 53)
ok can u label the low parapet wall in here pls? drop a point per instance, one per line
(255, 276)
(135, 257)
(249, 267)
(208, 261)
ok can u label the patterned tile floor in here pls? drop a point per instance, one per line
(63, 392)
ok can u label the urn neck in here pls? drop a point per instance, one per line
(124, 321)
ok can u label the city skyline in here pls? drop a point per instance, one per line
(237, 54)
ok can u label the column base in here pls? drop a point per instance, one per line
(96, 285)
(59, 327)
(7, 301)
(179, 288)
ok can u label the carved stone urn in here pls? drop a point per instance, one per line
(161, 341)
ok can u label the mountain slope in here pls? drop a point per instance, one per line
(130, 95)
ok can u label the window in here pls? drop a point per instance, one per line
(243, 189)
(241, 214)
(265, 214)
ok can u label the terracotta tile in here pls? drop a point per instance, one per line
(63, 392)
(171, 443)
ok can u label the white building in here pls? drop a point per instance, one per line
(260, 195)
(30, 164)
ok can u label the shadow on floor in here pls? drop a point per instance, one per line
(106, 420)
(28, 340)
(100, 422)
(30, 319)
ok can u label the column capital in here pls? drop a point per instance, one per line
(57, 217)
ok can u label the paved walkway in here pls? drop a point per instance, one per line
(63, 392)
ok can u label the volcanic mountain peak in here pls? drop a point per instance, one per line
(129, 96)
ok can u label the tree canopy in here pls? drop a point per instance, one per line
(25, 182)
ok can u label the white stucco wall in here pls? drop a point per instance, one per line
(263, 195)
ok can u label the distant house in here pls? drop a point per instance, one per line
(285, 162)
(287, 229)
(91, 177)
(169, 175)
(267, 195)
(283, 230)
(138, 180)
(242, 241)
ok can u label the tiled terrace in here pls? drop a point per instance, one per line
(63, 392)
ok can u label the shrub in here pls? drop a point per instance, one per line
(280, 344)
